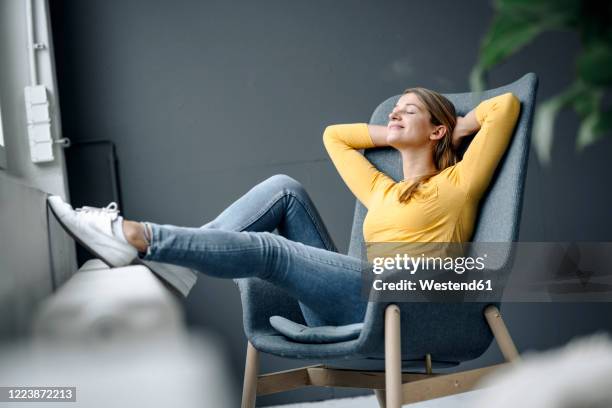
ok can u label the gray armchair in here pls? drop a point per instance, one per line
(401, 336)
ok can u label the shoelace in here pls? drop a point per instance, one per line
(112, 208)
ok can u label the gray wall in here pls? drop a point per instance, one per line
(25, 268)
(206, 98)
(35, 255)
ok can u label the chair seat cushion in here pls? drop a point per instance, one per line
(316, 335)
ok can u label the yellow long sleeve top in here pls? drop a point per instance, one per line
(444, 208)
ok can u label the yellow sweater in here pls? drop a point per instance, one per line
(444, 209)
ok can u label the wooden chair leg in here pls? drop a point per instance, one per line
(381, 397)
(501, 334)
(393, 357)
(251, 370)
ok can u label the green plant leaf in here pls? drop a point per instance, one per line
(586, 100)
(543, 128)
(595, 64)
(604, 124)
(477, 79)
(544, 120)
(517, 22)
(594, 22)
(566, 11)
(593, 128)
(586, 132)
(507, 35)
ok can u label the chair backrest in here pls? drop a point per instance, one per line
(500, 211)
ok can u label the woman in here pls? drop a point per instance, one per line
(436, 201)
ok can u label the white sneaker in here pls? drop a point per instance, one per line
(91, 227)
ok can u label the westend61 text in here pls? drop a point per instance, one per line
(431, 285)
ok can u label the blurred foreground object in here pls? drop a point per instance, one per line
(164, 371)
(118, 336)
(575, 376)
(100, 303)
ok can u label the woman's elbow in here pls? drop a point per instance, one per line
(513, 104)
(329, 133)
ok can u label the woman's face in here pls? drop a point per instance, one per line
(410, 124)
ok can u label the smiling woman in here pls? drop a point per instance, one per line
(438, 198)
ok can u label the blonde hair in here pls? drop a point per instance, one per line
(442, 112)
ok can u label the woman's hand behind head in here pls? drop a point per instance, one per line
(466, 125)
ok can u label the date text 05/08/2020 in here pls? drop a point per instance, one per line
(431, 285)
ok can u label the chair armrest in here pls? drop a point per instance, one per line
(260, 301)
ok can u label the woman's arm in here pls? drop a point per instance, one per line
(342, 143)
(378, 134)
(496, 118)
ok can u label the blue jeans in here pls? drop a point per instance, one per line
(302, 259)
